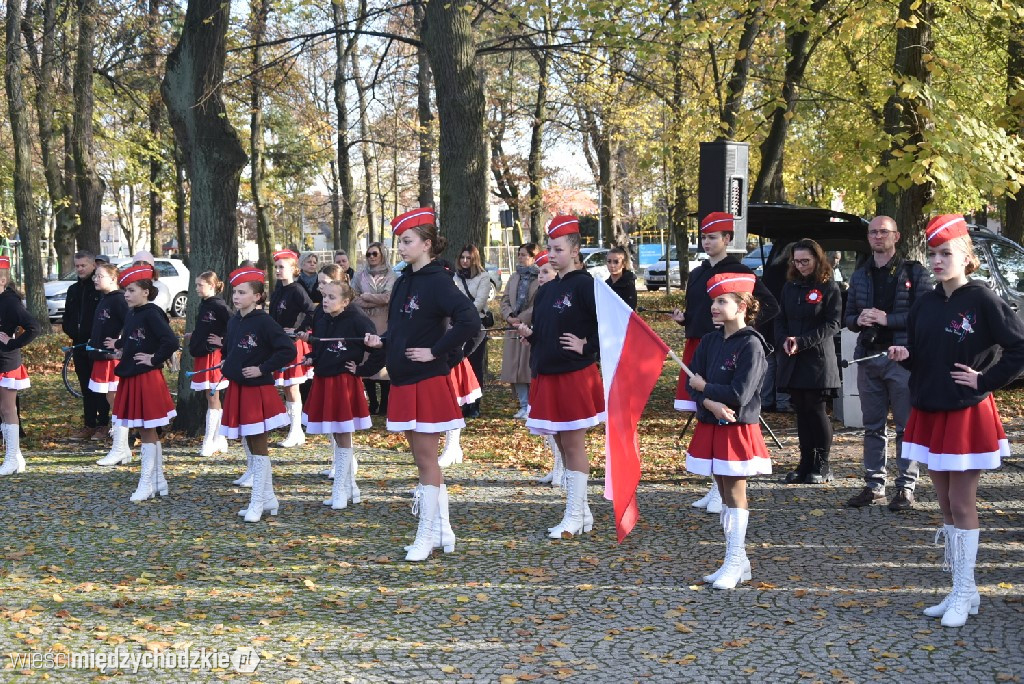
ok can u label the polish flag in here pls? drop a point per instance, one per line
(632, 356)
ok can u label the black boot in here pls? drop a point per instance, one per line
(822, 471)
(799, 476)
(371, 395)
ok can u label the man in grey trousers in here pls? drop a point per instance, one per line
(880, 295)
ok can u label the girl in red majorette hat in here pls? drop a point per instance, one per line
(418, 343)
(729, 366)
(143, 400)
(255, 347)
(954, 335)
(13, 377)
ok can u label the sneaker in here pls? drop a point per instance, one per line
(867, 497)
(903, 501)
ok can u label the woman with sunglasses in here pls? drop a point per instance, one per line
(372, 285)
(621, 279)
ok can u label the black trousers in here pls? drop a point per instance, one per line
(96, 411)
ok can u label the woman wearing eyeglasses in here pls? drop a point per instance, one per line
(372, 285)
(807, 368)
(621, 279)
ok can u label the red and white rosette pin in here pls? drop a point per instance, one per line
(813, 297)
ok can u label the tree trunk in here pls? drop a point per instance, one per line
(24, 208)
(156, 208)
(365, 149)
(343, 236)
(769, 186)
(906, 122)
(1014, 226)
(50, 145)
(90, 186)
(264, 231)
(425, 129)
(179, 207)
(677, 169)
(464, 202)
(213, 155)
(534, 163)
(740, 71)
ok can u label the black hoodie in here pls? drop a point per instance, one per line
(13, 315)
(291, 306)
(564, 305)
(255, 340)
(107, 322)
(969, 328)
(421, 303)
(330, 358)
(145, 330)
(212, 319)
(734, 369)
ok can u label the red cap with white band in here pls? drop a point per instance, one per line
(424, 216)
(246, 274)
(717, 222)
(942, 229)
(724, 283)
(563, 225)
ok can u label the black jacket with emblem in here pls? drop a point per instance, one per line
(811, 313)
(422, 302)
(212, 319)
(971, 327)
(291, 306)
(255, 339)
(147, 331)
(330, 358)
(108, 321)
(14, 315)
(734, 369)
(564, 305)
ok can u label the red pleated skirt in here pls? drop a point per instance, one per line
(336, 404)
(967, 439)
(683, 401)
(103, 379)
(212, 379)
(734, 450)
(143, 401)
(251, 410)
(426, 406)
(297, 374)
(467, 387)
(16, 379)
(560, 402)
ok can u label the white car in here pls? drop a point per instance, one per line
(655, 276)
(173, 285)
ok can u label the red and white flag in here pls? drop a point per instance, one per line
(632, 356)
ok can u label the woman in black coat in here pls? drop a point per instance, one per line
(807, 368)
(621, 279)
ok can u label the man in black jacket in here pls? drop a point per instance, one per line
(878, 301)
(79, 308)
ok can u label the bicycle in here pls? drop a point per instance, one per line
(71, 379)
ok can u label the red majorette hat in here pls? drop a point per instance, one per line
(723, 283)
(246, 274)
(563, 225)
(424, 216)
(542, 258)
(5, 262)
(717, 222)
(285, 254)
(135, 273)
(942, 229)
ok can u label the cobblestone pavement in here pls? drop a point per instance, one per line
(323, 596)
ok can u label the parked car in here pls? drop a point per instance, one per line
(757, 258)
(655, 277)
(1002, 265)
(173, 287)
(595, 260)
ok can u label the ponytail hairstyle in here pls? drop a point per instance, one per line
(753, 306)
(210, 277)
(438, 243)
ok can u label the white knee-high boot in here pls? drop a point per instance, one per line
(425, 531)
(947, 532)
(14, 462)
(965, 599)
(261, 499)
(574, 520)
(452, 449)
(213, 441)
(554, 477)
(246, 479)
(737, 567)
(353, 468)
(147, 475)
(341, 489)
(330, 471)
(296, 436)
(159, 481)
(712, 501)
(119, 453)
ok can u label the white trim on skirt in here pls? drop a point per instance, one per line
(139, 423)
(536, 426)
(288, 382)
(247, 429)
(205, 384)
(757, 465)
(11, 383)
(332, 426)
(102, 387)
(429, 428)
(989, 460)
(471, 397)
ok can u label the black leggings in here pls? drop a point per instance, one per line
(813, 426)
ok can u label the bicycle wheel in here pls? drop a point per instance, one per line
(69, 376)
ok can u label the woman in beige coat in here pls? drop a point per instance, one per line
(372, 285)
(517, 307)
